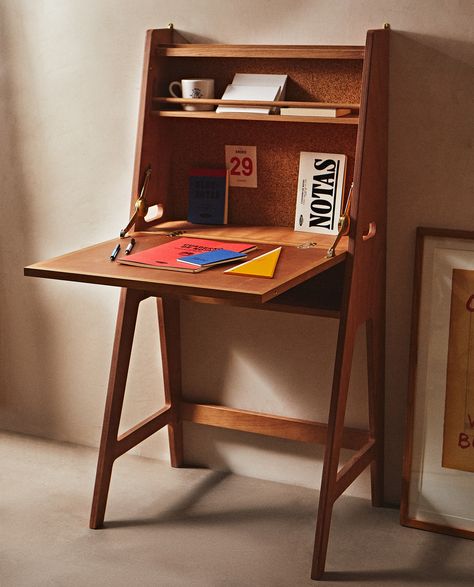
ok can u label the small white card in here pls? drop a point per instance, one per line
(262, 79)
(241, 161)
(254, 93)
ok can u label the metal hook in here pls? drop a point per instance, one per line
(141, 205)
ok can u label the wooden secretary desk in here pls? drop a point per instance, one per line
(348, 286)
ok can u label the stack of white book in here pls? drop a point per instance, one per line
(325, 112)
(254, 87)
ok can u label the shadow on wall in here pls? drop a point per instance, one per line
(45, 326)
(21, 344)
(431, 131)
(430, 183)
(267, 362)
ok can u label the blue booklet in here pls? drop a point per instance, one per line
(208, 196)
(213, 257)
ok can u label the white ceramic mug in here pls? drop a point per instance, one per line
(194, 88)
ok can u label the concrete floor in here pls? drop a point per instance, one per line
(170, 527)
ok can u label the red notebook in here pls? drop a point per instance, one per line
(165, 256)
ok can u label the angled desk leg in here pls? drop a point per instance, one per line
(337, 409)
(334, 480)
(124, 332)
(376, 386)
(169, 325)
(111, 445)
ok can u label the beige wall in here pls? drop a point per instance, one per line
(70, 76)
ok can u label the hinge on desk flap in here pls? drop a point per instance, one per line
(141, 205)
(343, 225)
(307, 245)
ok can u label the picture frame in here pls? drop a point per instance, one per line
(438, 464)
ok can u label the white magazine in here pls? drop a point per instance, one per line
(320, 192)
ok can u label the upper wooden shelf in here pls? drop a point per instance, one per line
(263, 51)
(255, 103)
(258, 117)
(347, 119)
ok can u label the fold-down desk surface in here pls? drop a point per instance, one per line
(93, 265)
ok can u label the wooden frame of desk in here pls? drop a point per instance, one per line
(349, 286)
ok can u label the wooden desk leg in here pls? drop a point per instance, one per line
(332, 485)
(169, 324)
(376, 385)
(124, 332)
(337, 410)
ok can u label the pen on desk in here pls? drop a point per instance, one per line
(130, 246)
(115, 252)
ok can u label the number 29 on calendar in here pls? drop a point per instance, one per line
(241, 161)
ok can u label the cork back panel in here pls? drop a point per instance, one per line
(320, 80)
(201, 143)
(173, 146)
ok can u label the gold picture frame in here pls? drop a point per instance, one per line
(438, 468)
